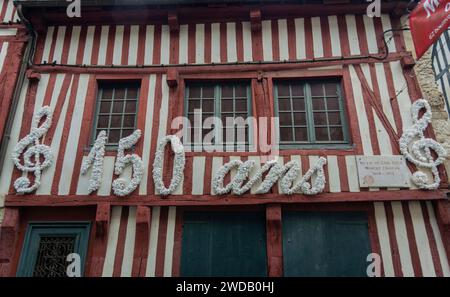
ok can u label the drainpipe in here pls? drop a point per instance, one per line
(27, 58)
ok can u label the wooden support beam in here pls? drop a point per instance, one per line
(274, 240)
(143, 217)
(8, 237)
(172, 19)
(102, 219)
(255, 19)
(172, 77)
(442, 209)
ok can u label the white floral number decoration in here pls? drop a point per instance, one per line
(178, 167)
(414, 140)
(287, 173)
(95, 159)
(30, 144)
(119, 185)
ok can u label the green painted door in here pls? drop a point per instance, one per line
(325, 244)
(224, 244)
(47, 245)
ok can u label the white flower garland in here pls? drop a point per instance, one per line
(119, 185)
(178, 167)
(413, 140)
(288, 173)
(95, 159)
(22, 184)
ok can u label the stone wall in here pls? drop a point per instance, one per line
(432, 93)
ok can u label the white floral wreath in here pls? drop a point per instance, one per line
(178, 167)
(22, 184)
(288, 174)
(95, 159)
(119, 185)
(413, 139)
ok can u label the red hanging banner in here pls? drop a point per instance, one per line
(427, 22)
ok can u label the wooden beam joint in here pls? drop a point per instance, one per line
(8, 232)
(407, 62)
(255, 19)
(172, 77)
(102, 219)
(172, 19)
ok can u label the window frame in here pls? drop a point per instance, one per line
(108, 146)
(235, 147)
(306, 82)
(35, 229)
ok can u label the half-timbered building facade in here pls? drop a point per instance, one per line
(340, 83)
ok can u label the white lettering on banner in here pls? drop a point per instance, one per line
(430, 6)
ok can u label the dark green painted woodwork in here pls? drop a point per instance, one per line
(325, 243)
(224, 244)
(36, 230)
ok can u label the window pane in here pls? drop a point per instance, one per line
(240, 91)
(130, 106)
(118, 106)
(283, 90)
(297, 90)
(114, 136)
(227, 105)
(208, 105)
(116, 121)
(301, 134)
(320, 118)
(105, 107)
(119, 93)
(128, 121)
(321, 134)
(298, 104)
(103, 121)
(194, 92)
(193, 104)
(286, 134)
(227, 91)
(127, 132)
(334, 118)
(132, 93)
(285, 118)
(336, 134)
(284, 104)
(333, 103)
(331, 89)
(241, 105)
(107, 93)
(208, 92)
(316, 89)
(318, 104)
(299, 118)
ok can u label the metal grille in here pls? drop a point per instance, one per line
(52, 255)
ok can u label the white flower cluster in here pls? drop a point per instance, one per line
(95, 159)
(288, 174)
(119, 185)
(413, 140)
(33, 148)
(178, 167)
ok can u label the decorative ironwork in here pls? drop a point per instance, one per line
(51, 257)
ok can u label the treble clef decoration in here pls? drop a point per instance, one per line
(30, 144)
(413, 140)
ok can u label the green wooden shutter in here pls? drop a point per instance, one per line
(224, 244)
(325, 244)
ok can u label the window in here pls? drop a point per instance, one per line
(325, 243)
(116, 110)
(224, 244)
(229, 103)
(47, 245)
(310, 113)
